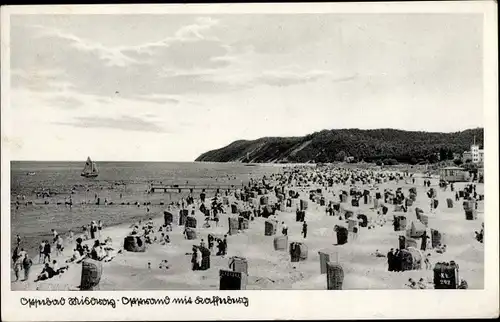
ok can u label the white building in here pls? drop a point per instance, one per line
(474, 151)
(476, 154)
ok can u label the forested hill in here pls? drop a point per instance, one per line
(333, 145)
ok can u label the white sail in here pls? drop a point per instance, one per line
(94, 168)
(90, 169)
(88, 166)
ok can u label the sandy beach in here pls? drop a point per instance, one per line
(270, 269)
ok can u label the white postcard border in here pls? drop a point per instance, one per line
(278, 304)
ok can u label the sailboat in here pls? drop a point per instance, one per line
(90, 169)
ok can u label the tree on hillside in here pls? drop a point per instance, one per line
(471, 167)
(322, 158)
(432, 158)
(340, 156)
(442, 154)
(450, 155)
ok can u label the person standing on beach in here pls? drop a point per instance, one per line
(22, 253)
(210, 240)
(27, 263)
(93, 229)
(54, 233)
(284, 229)
(59, 246)
(199, 257)
(424, 241)
(41, 253)
(18, 240)
(99, 228)
(427, 262)
(46, 252)
(15, 254)
(390, 260)
(18, 266)
(304, 229)
(396, 261)
(216, 219)
(85, 232)
(194, 260)
(224, 245)
(220, 246)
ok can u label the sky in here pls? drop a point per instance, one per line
(169, 87)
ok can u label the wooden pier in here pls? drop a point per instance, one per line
(191, 188)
